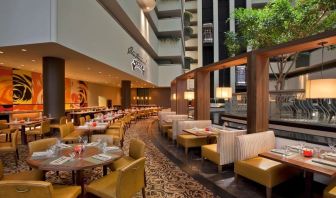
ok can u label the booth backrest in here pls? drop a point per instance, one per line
(163, 115)
(188, 124)
(174, 119)
(21, 116)
(249, 146)
(226, 144)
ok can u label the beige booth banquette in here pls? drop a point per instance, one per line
(224, 151)
(261, 170)
(163, 126)
(171, 132)
(188, 140)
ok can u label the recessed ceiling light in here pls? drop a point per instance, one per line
(22, 65)
(1, 52)
(100, 72)
(89, 68)
(33, 60)
(1, 63)
(24, 50)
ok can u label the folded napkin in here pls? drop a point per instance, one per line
(295, 148)
(324, 162)
(62, 145)
(93, 144)
(60, 160)
(102, 157)
(330, 154)
(281, 151)
(40, 154)
(112, 148)
(195, 129)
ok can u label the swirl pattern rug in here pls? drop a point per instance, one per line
(164, 178)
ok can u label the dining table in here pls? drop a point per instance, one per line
(25, 123)
(310, 165)
(202, 132)
(92, 156)
(89, 128)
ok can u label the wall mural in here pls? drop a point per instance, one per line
(23, 90)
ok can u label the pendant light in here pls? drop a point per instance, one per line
(321, 88)
(146, 5)
(224, 92)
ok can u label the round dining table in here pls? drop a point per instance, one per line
(85, 160)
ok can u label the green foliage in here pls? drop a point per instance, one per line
(280, 21)
(188, 31)
(172, 39)
(187, 18)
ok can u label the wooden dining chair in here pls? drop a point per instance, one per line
(44, 129)
(5, 129)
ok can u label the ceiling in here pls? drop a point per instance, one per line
(77, 66)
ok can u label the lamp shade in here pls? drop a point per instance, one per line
(174, 96)
(146, 5)
(224, 92)
(321, 88)
(189, 95)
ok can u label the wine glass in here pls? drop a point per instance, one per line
(72, 156)
(80, 139)
(285, 151)
(332, 145)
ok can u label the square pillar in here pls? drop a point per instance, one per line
(181, 103)
(125, 94)
(202, 95)
(257, 93)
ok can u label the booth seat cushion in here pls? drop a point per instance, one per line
(189, 140)
(210, 152)
(264, 171)
(330, 190)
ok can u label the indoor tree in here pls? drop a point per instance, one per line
(278, 22)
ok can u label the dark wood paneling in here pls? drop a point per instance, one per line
(202, 96)
(160, 97)
(125, 94)
(257, 93)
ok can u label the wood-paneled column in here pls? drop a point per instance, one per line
(257, 93)
(181, 103)
(202, 95)
(125, 94)
(172, 99)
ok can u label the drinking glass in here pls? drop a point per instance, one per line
(72, 156)
(285, 151)
(317, 151)
(85, 141)
(79, 153)
(332, 145)
(80, 139)
(104, 147)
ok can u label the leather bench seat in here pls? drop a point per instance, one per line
(264, 171)
(190, 141)
(210, 152)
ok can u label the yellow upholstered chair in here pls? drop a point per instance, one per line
(41, 145)
(117, 132)
(330, 190)
(224, 151)
(5, 129)
(11, 147)
(188, 140)
(87, 118)
(36, 189)
(45, 128)
(123, 183)
(61, 122)
(105, 138)
(261, 170)
(34, 175)
(81, 121)
(68, 133)
(136, 151)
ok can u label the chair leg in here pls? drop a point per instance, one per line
(268, 192)
(17, 153)
(143, 192)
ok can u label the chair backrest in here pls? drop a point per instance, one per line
(70, 126)
(45, 126)
(81, 121)
(3, 125)
(64, 130)
(87, 118)
(137, 149)
(132, 176)
(62, 120)
(250, 145)
(188, 124)
(41, 145)
(107, 138)
(26, 189)
(226, 145)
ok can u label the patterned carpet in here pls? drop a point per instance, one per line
(164, 178)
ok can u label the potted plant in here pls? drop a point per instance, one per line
(187, 18)
(188, 31)
(187, 62)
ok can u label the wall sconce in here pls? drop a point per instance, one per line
(224, 92)
(189, 95)
(146, 98)
(142, 98)
(134, 98)
(174, 96)
(150, 98)
(137, 98)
